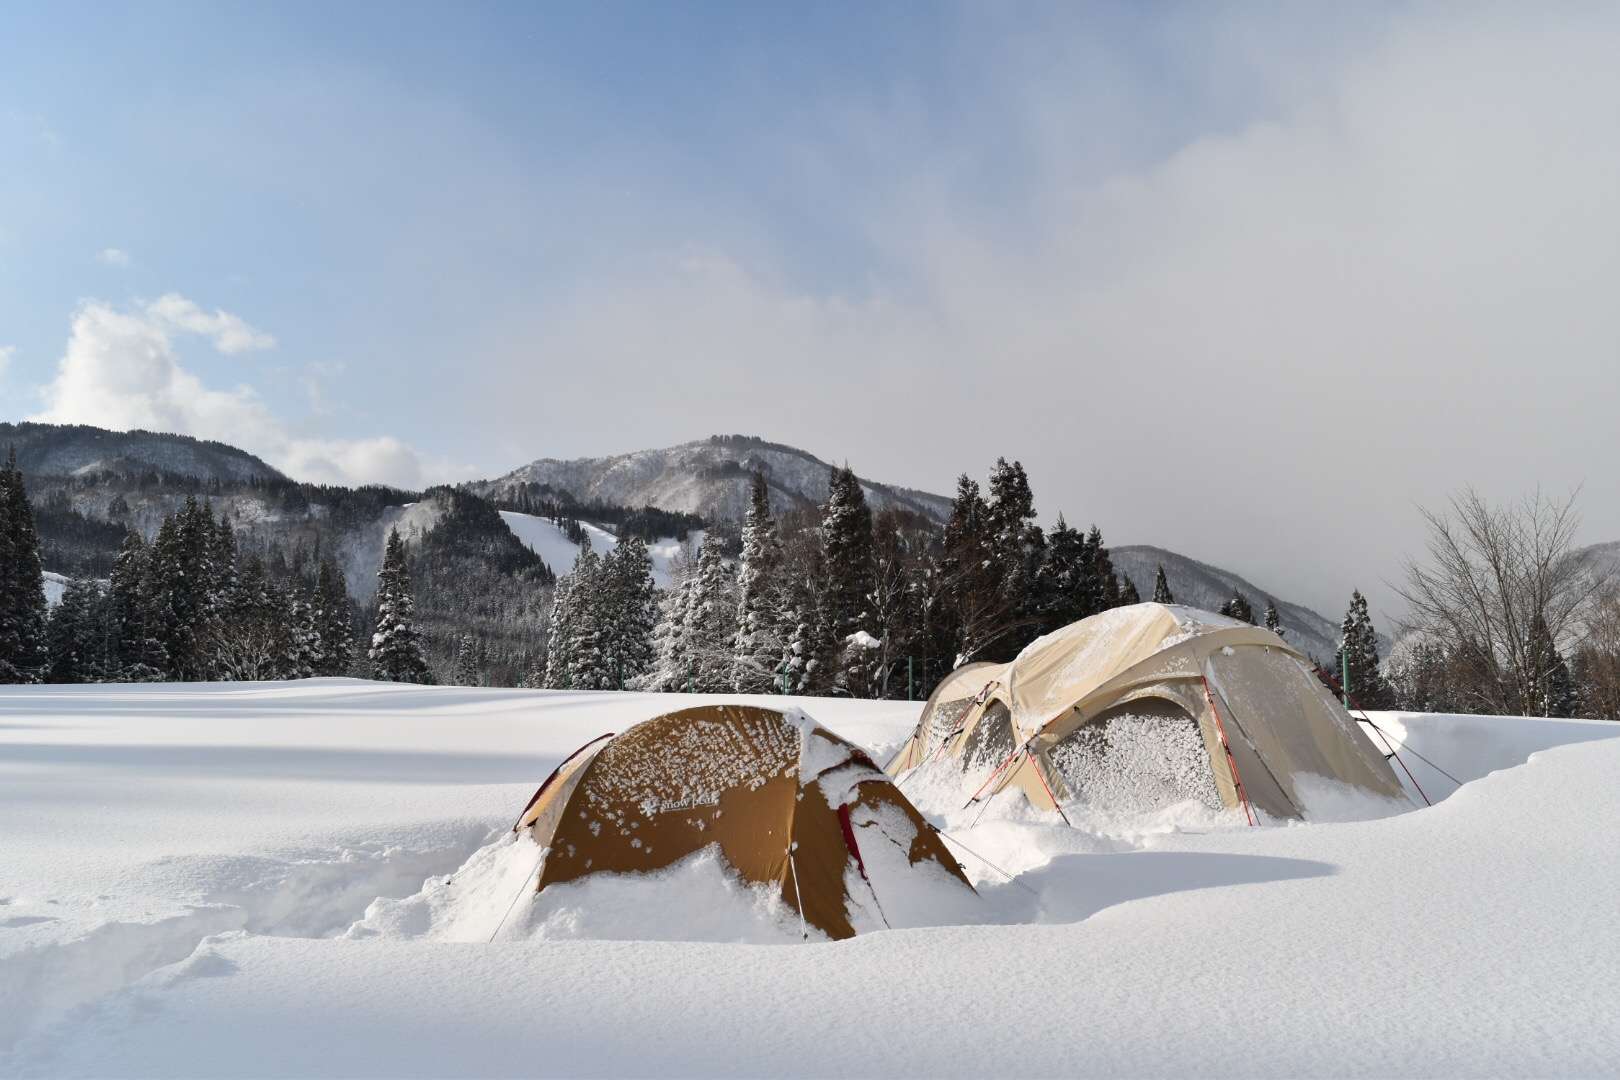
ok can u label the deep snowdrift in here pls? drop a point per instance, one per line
(301, 879)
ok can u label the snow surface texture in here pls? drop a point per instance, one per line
(548, 541)
(302, 880)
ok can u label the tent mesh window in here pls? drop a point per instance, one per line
(1137, 757)
(947, 714)
(991, 740)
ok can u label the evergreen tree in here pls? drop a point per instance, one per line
(396, 647)
(73, 636)
(632, 610)
(1273, 620)
(1358, 656)
(1127, 593)
(760, 637)
(181, 576)
(709, 622)
(1063, 580)
(137, 653)
(1552, 689)
(1161, 588)
(1238, 608)
(590, 667)
(560, 643)
(334, 621)
(465, 671)
(1017, 547)
(1101, 588)
(251, 637)
(975, 619)
(846, 547)
(22, 582)
(303, 636)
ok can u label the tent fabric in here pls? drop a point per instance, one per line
(1267, 724)
(768, 787)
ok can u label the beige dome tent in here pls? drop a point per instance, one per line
(1149, 689)
(788, 803)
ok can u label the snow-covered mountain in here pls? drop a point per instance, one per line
(1204, 586)
(76, 450)
(710, 477)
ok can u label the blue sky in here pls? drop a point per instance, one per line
(421, 242)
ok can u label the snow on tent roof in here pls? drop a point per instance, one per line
(787, 803)
(1266, 722)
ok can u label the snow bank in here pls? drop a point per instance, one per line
(302, 879)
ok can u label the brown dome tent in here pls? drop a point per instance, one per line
(1060, 719)
(788, 803)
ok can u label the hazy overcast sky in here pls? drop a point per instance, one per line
(1250, 282)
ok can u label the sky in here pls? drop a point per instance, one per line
(1251, 282)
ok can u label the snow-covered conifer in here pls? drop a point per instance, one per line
(396, 646)
(1161, 588)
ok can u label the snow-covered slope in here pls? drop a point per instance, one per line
(1201, 585)
(549, 541)
(190, 880)
(709, 477)
(55, 586)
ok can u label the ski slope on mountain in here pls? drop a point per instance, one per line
(301, 879)
(548, 540)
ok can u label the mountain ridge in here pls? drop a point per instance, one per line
(710, 477)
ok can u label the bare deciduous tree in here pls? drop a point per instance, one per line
(1493, 574)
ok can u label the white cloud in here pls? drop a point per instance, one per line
(112, 257)
(6, 353)
(228, 332)
(121, 371)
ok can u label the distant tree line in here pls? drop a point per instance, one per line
(838, 599)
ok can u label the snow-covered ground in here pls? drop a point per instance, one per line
(548, 541)
(301, 879)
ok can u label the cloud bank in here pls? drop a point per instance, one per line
(1262, 348)
(121, 370)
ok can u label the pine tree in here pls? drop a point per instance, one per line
(1062, 580)
(334, 621)
(975, 619)
(670, 664)
(465, 671)
(1358, 656)
(1161, 588)
(1552, 690)
(137, 653)
(590, 667)
(1127, 593)
(1101, 585)
(22, 582)
(560, 642)
(1017, 547)
(1238, 608)
(303, 636)
(760, 637)
(396, 646)
(73, 638)
(1273, 620)
(632, 610)
(711, 613)
(846, 547)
